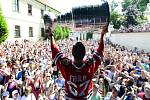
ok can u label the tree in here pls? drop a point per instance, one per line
(61, 32)
(58, 33)
(66, 32)
(134, 11)
(116, 20)
(142, 5)
(3, 28)
(113, 5)
(89, 35)
(126, 4)
(130, 18)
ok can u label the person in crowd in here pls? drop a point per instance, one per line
(60, 80)
(130, 94)
(4, 77)
(47, 83)
(21, 74)
(140, 78)
(145, 95)
(5, 95)
(96, 95)
(15, 95)
(28, 95)
(103, 81)
(51, 93)
(12, 85)
(113, 95)
(112, 73)
(38, 84)
(61, 95)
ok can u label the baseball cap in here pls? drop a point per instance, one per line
(94, 80)
(14, 92)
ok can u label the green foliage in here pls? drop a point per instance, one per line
(126, 4)
(117, 24)
(134, 12)
(130, 18)
(3, 28)
(142, 5)
(61, 32)
(89, 35)
(66, 31)
(116, 20)
(58, 32)
(113, 5)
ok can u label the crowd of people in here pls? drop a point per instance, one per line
(27, 72)
(138, 28)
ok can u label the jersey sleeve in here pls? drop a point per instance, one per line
(96, 58)
(58, 58)
(100, 49)
(55, 49)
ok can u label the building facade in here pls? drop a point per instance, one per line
(25, 17)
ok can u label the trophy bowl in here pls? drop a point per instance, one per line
(86, 17)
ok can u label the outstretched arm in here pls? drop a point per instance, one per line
(57, 55)
(54, 47)
(100, 48)
(99, 53)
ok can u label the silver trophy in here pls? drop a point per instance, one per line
(93, 16)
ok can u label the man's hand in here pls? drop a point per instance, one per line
(104, 30)
(50, 33)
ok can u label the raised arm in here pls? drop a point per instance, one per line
(99, 53)
(56, 53)
(100, 48)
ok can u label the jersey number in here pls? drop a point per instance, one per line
(73, 88)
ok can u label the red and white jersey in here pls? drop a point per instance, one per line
(78, 80)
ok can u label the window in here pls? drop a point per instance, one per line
(42, 13)
(29, 9)
(30, 31)
(42, 32)
(15, 5)
(17, 31)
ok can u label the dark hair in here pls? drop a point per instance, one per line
(134, 63)
(78, 51)
(130, 83)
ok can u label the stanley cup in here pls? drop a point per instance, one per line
(83, 17)
(92, 15)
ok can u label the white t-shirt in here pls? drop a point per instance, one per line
(29, 97)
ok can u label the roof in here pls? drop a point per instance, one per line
(47, 3)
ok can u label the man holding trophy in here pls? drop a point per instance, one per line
(78, 73)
